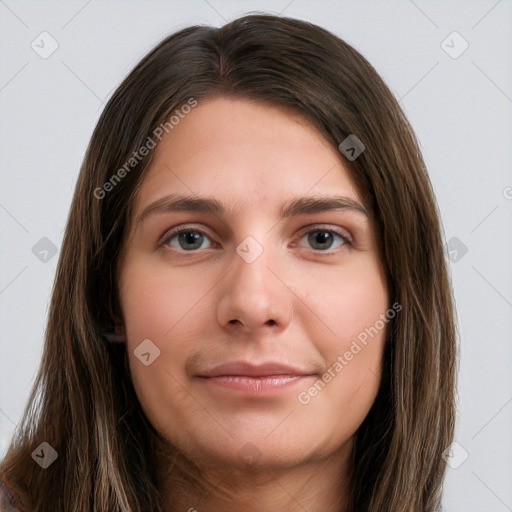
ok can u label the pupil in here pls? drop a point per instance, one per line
(321, 237)
(190, 237)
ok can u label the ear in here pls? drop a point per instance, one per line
(118, 336)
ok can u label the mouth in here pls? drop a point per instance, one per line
(255, 379)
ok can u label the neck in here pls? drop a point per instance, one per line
(316, 486)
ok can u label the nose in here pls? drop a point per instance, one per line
(254, 296)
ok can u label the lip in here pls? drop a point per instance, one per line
(246, 369)
(255, 379)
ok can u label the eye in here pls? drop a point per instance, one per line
(322, 239)
(189, 239)
(185, 238)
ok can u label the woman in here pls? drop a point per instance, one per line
(251, 307)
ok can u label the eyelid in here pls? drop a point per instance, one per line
(344, 233)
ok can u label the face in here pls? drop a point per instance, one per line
(255, 324)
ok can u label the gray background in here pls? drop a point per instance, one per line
(459, 107)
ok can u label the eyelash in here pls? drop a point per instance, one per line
(164, 240)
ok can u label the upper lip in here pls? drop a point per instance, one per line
(242, 368)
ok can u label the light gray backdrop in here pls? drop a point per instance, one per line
(449, 63)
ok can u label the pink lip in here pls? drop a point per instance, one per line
(241, 368)
(254, 379)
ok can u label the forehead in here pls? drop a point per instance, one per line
(247, 154)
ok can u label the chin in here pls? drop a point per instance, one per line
(254, 451)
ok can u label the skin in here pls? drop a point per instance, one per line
(293, 304)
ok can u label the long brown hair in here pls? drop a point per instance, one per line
(83, 403)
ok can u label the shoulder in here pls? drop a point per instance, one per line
(7, 501)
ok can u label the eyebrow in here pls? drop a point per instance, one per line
(292, 208)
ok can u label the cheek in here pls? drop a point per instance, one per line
(351, 340)
(156, 304)
(352, 301)
(162, 309)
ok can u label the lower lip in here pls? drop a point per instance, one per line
(256, 385)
